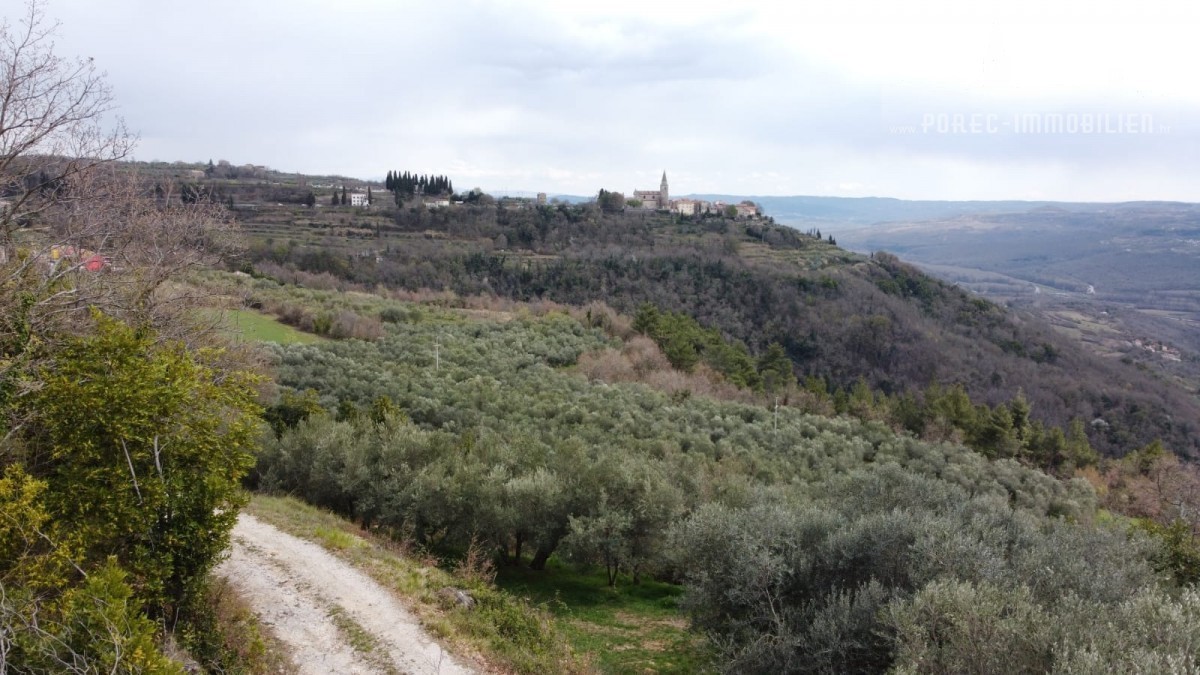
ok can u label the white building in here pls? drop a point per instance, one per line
(685, 207)
(358, 199)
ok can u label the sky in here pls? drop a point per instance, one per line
(921, 99)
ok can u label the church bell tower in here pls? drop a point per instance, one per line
(664, 199)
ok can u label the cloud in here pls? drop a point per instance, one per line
(754, 98)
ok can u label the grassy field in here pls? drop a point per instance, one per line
(246, 324)
(816, 257)
(627, 629)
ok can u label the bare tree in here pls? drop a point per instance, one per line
(79, 230)
(53, 126)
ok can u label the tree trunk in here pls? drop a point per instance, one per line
(540, 557)
(612, 567)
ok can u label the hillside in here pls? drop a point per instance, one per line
(790, 542)
(1121, 278)
(839, 316)
(261, 422)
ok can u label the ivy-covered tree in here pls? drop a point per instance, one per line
(142, 446)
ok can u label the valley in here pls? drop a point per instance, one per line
(1122, 278)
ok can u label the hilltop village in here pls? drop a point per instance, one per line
(660, 200)
(438, 192)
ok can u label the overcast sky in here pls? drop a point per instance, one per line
(917, 99)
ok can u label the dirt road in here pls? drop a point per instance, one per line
(332, 617)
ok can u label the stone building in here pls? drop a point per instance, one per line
(655, 199)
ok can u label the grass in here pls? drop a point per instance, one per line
(336, 539)
(361, 640)
(815, 257)
(246, 324)
(508, 633)
(627, 629)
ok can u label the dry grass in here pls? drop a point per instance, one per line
(640, 360)
(228, 637)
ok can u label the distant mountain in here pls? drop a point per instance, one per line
(807, 211)
(1143, 253)
(551, 196)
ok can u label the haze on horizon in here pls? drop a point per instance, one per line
(932, 99)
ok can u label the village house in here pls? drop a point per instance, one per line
(747, 210)
(686, 207)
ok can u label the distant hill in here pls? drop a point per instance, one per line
(550, 196)
(1124, 279)
(806, 211)
(1123, 251)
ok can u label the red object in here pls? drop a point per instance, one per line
(94, 263)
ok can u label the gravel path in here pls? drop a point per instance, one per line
(296, 587)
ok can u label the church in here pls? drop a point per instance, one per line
(660, 200)
(655, 199)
